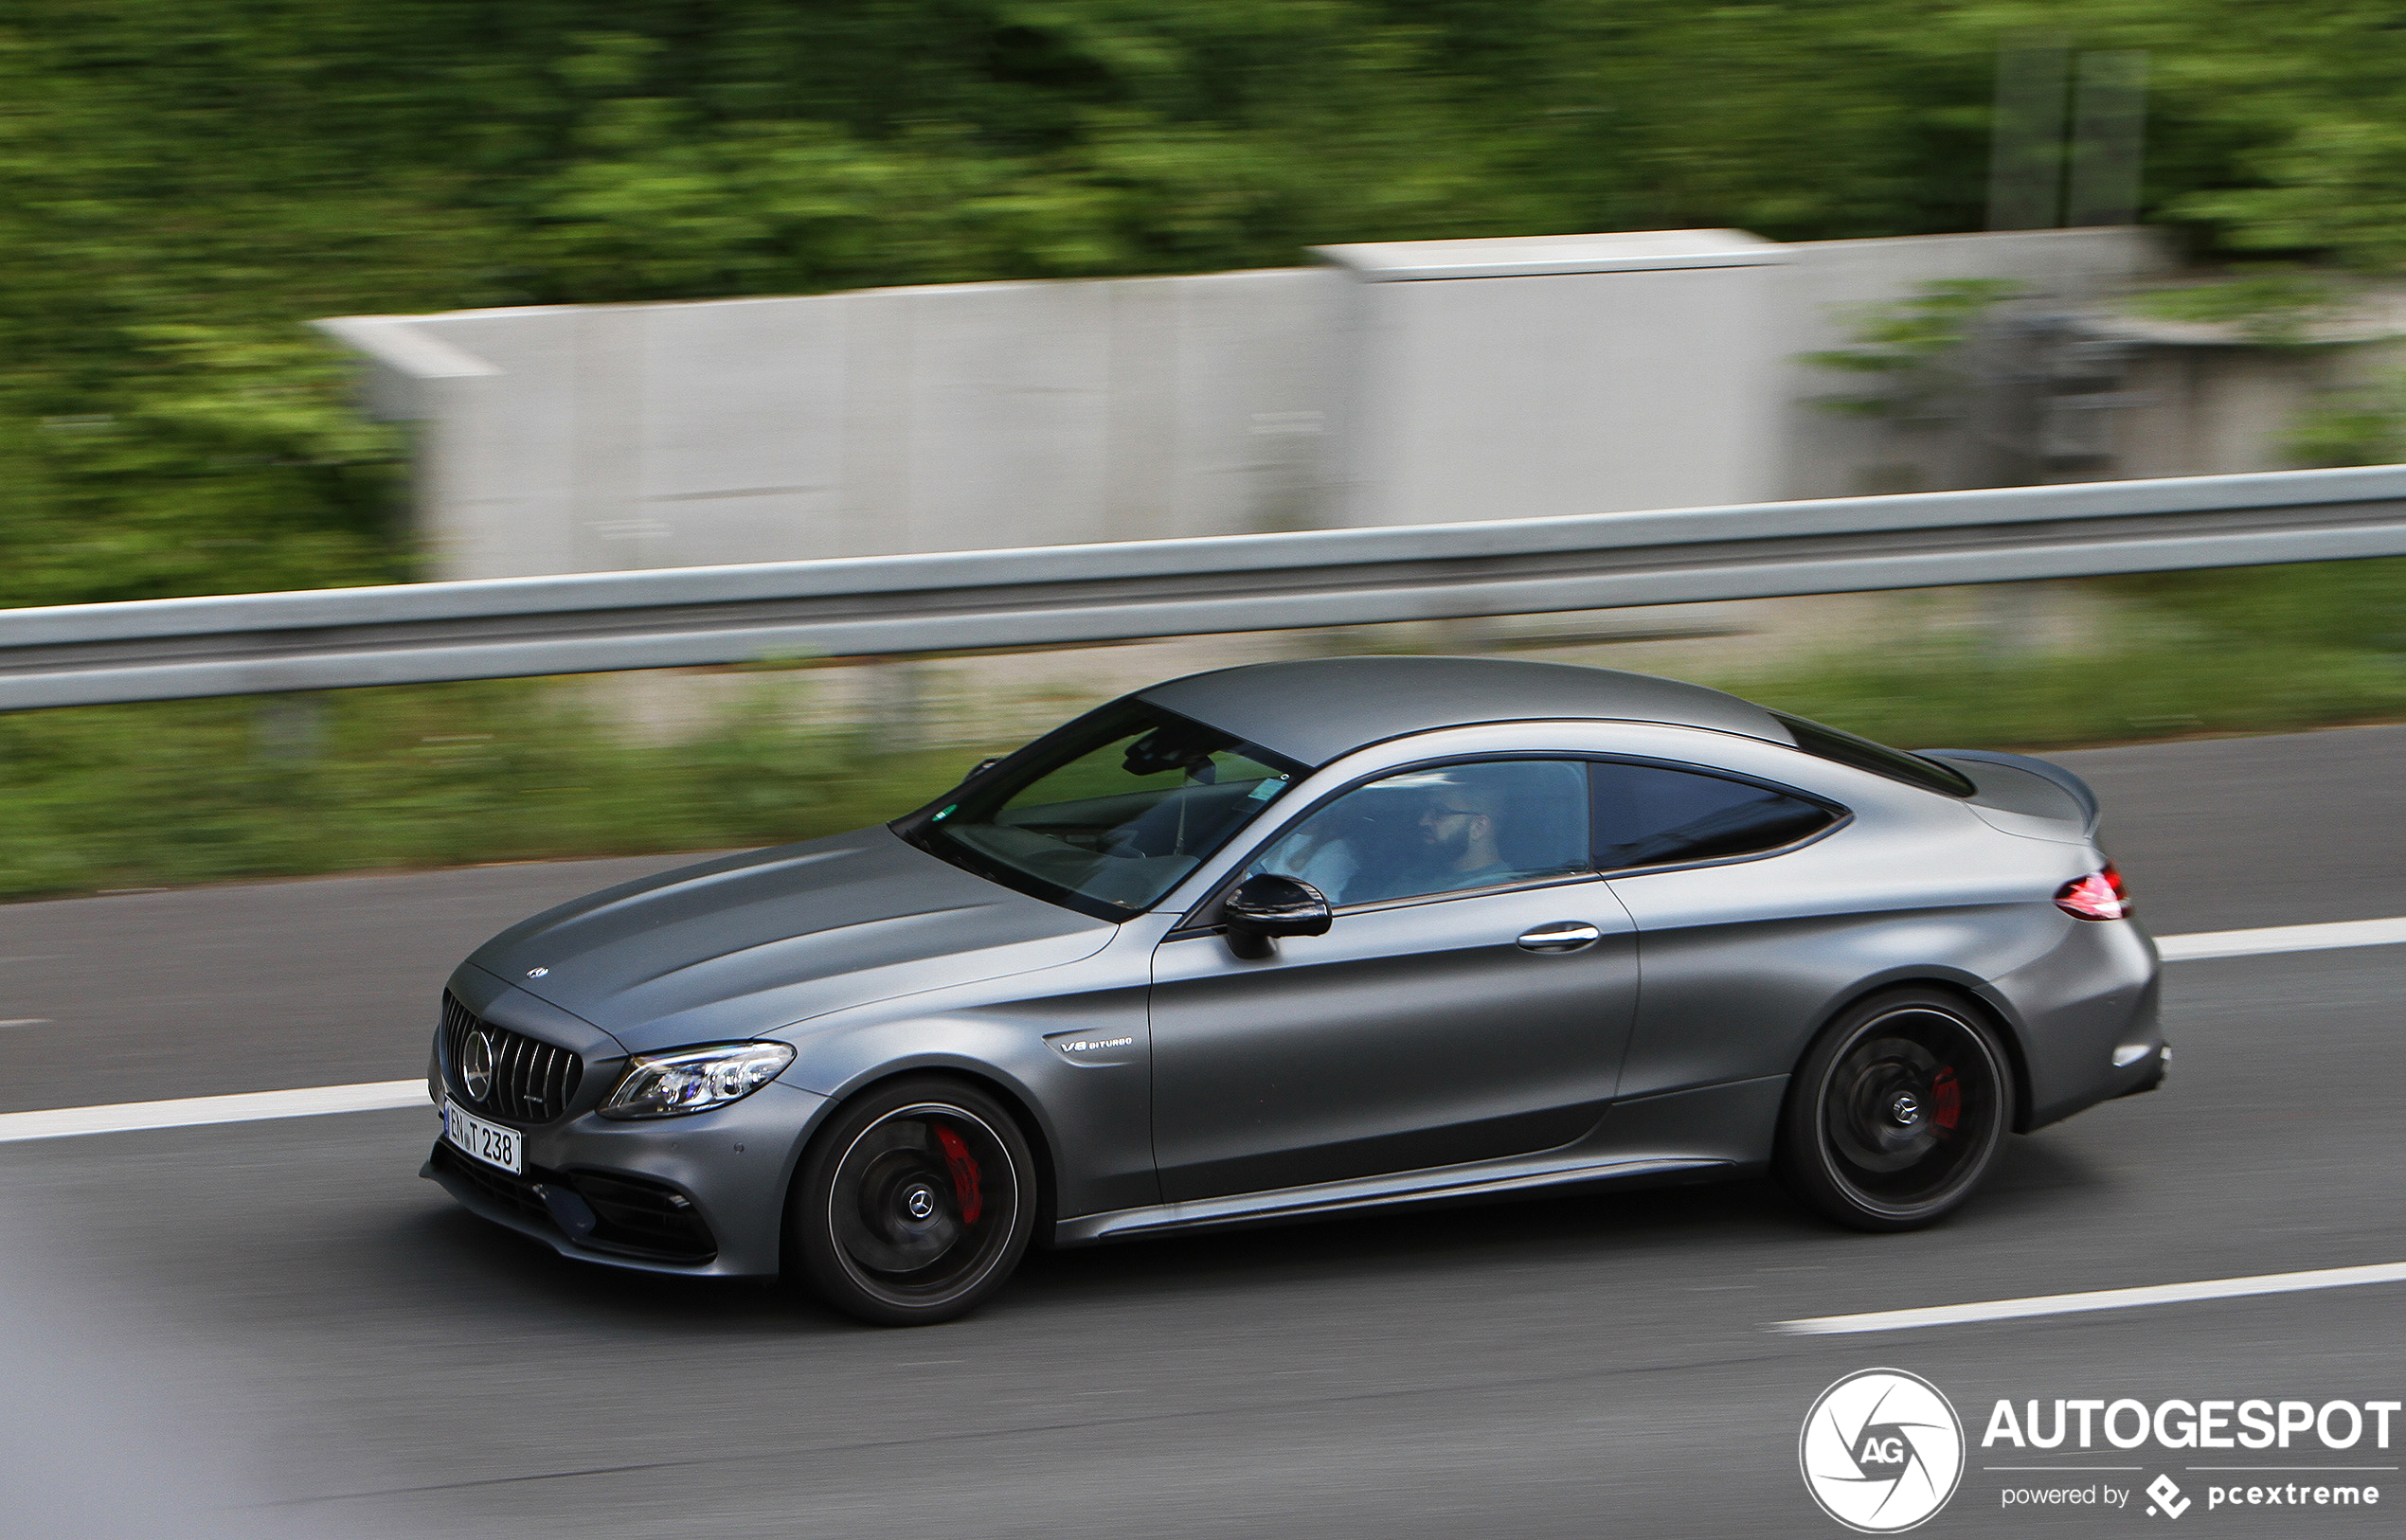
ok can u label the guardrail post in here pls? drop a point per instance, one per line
(289, 730)
(2017, 619)
(898, 705)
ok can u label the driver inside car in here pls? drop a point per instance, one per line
(1438, 831)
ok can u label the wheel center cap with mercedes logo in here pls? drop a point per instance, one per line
(476, 1065)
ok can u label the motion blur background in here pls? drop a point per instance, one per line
(185, 186)
(305, 293)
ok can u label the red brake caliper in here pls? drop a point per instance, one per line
(964, 1173)
(1946, 1099)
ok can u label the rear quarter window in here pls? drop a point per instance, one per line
(1652, 815)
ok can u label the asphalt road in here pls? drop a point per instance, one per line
(281, 1318)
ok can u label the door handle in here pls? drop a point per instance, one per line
(1562, 935)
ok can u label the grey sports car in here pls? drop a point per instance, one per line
(1304, 938)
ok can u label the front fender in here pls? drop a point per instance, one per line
(1091, 1111)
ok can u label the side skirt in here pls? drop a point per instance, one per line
(1478, 1180)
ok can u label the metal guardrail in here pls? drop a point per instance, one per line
(81, 655)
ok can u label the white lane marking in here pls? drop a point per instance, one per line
(315, 1099)
(2249, 943)
(28, 1021)
(2065, 1304)
(251, 1106)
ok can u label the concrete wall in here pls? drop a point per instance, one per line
(1823, 290)
(1405, 382)
(2203, 409)
(1528, 378)
(962, 416)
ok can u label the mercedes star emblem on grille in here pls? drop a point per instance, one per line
(476, 1065)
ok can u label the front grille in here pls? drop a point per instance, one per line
(533, 1082)
(629, 1215)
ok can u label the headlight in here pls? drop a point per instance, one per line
(694, 1080)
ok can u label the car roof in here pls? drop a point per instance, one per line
(1317, 710)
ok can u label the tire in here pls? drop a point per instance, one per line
(1896, 1112)
(914, 1205)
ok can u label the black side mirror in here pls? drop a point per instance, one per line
(981, 768)
(1269, 906)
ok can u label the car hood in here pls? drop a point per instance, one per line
(744, 944)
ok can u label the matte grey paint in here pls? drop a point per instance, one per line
(2075, 1004)
(1410, 1036)
(729, 948)
(741, 1192)
(2018, 783)
(1318, 1077)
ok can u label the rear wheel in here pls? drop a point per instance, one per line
(1896, 1112)
(914, 1204)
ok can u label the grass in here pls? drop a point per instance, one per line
(149, 796)
(113, 797)
(2128, 694)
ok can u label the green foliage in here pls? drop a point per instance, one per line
(2361, 426)
(1912, 349)
(2334, 181)
(2270, 307)
(183, 183)
(189, 791)
(2325, 606)
(2132, 692)
(2236, 651)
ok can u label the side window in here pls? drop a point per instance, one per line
(1443, 829)
(1649, 816)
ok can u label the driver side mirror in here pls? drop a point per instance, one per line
(1264, 906)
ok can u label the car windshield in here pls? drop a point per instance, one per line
(1106, 814)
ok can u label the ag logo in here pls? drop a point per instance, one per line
(1882, 1451)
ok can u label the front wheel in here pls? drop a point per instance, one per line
(1896, 1112)
(914, 1205)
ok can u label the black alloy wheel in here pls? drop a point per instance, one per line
(914, 1203)
(1897, 1111)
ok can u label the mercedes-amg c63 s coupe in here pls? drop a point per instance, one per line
(1305, 938)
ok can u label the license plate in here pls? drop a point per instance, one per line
(489, 1142)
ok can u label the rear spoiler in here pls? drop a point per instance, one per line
(2065, 778)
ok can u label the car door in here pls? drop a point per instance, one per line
(1740, 904)
(1470, 999)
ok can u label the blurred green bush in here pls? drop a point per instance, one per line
(172, 793)
(182, 182)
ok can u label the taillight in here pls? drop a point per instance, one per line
(2098, 896)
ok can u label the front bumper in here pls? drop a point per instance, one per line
(702, 1195)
